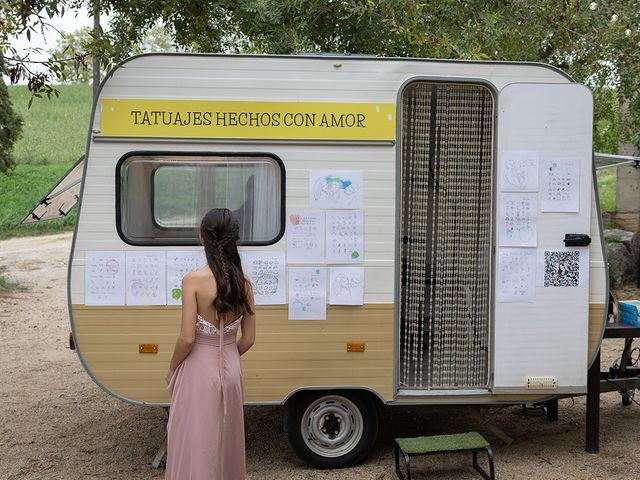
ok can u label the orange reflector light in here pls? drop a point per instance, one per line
(355, 346)
(148, 348)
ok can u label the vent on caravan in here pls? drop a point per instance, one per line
(445, 235)
(542, 383)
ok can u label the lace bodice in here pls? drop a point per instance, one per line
(210, 329)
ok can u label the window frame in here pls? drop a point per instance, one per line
(163, 242)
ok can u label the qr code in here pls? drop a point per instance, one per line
(561, 269)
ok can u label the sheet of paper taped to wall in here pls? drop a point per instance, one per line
(104, 278)
(267, 272)
(307, 293)
(305, 236)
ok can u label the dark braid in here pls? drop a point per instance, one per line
(223, 262)
(220, 232)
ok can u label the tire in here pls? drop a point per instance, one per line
(627, 397)
(350, 421)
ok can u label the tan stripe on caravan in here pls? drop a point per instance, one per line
(287, 355)
(596, 319)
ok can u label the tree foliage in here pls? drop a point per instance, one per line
(10, 126)
(80, 70)
(596, 42)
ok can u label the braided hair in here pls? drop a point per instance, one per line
(220, 232)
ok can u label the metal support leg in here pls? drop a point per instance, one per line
(593, 406)
(476, 466)
(552, 410)
(157, 460)
(492, 469)
(407, 460)
(407, 463)
(489, 425)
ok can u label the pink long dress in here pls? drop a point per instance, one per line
(206, 423)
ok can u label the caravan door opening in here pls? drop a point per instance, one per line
(445, 236)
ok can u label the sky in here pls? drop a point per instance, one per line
(70, 22)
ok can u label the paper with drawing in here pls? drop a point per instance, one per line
(518, 219)
(519, 171)
(335, 189)
(346, 286)
(561, 186)
(145, 278)
(345, 236)
(516, 275)
(104, 276)
(266, 270)
(305, 236)
(179, 263)
(307, 293)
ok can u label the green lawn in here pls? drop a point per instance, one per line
(54, 137)
(607, 188)
(18, 193)
(55, 131)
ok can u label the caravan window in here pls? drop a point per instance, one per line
(163, 197)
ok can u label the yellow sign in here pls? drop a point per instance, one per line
(255, 120)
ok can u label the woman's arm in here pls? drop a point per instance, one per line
(188, 327)
(248, 325)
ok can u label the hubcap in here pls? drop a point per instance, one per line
(332, 426)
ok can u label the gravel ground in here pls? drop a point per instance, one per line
(55, 423)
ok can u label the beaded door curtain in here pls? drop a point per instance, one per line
(445, 236)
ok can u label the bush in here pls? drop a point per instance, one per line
(10, 126)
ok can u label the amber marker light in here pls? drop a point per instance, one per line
(355, 346)
(148, 348)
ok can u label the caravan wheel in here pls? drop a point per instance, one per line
(332, 431)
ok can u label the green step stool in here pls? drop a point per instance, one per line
(458, 442)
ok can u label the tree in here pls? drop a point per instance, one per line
(10, 125)
(70, 43)
(16, 17)
(68, 63)
(596, 42)
(81, 41)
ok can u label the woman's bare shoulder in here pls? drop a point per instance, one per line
(198, 276)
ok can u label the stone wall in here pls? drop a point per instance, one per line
(627, 214)
(623, 256)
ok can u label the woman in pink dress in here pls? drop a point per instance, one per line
(206, 423)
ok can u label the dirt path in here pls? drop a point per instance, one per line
(55, 423)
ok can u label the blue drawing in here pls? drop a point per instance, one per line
(335, 189)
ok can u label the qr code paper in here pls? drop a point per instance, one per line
(561, 269)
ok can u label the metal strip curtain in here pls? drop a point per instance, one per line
(447, 137)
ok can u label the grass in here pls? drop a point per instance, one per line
(607, 188)
(5, 285)
(54, 136)
(55, 131)
(20, 190)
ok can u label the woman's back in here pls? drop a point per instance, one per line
(206, 291)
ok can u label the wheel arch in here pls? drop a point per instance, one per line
(377, 399)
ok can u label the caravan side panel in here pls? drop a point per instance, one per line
(288, 355)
